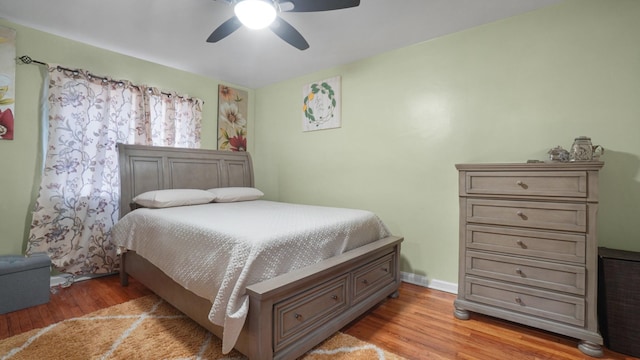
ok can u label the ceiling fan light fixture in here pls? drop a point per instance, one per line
(255, 14)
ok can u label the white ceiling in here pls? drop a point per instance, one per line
(174, 33)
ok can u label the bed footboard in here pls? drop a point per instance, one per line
(292, 313)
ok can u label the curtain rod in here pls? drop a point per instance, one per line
(26, 59)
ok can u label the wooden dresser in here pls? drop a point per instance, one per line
(528, 246)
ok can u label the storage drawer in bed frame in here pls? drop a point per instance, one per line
(315, 305)
(307, 311)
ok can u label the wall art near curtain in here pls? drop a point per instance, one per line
(321, 106)
(232, 118)
(7, 81)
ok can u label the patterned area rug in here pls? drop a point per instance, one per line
(149, 328)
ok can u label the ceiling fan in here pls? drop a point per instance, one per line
(258, 14)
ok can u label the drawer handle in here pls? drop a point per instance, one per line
(364, 281)
(519, 271)
(522, 184)
(297, 316)
(521, 244)
(334, 297)
(519, 301)
(385, 269)
(521, 215)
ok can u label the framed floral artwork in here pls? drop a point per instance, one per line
(232, 119)
(321, 105)
(7, 81)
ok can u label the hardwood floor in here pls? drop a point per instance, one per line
(79, 299)
(417, 325)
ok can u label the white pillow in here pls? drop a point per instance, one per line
(233, 194)
(173, 197)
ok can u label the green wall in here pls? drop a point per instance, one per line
(20, 159)
(504, 92)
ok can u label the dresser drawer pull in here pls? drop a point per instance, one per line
(521, 184)
(521, 215)
(385, 269)
(519, 271)
(519, 301)
(297, 316)
(334, 297)
(364, 281)
(521, 244)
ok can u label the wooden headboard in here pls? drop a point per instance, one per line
(146, 168)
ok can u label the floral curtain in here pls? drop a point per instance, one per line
(173, 120)
(78, 202)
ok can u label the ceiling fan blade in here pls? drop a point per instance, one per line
(321, 5)
(224, 30)
(288, 33)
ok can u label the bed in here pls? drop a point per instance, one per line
(287, 314)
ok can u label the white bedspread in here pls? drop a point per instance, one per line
(217, 250)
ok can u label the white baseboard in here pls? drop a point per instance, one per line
(444, 286)
(64, 279)
(420, 280)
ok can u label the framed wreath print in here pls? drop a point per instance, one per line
(232, 119)
(321, 105)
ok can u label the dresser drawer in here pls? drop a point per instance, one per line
(297, 316)
(541, 215)
(540, 244)
(551, 276)
(557, 307)
(550, 183)
(373, 277)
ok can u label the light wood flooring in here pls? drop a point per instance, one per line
(419, 324)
